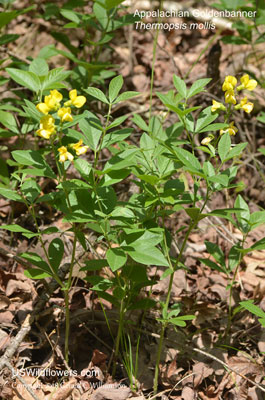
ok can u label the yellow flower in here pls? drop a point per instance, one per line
(247, 83)
(232, 130)
(229, 83)
(51, 102)
(47, 127)
(65, 114)
(64, 154)
(245, 105)
(206, 140)
(230, 97)
(77, 101)
(217, 106)
(79, 149)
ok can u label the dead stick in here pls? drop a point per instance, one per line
(230, 368)
(24, 383)
(15, 342)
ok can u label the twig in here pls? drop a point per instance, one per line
(230, 368)
(24, 383)
(10, 351)
(15, 342)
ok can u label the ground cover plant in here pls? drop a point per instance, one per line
(133, 236)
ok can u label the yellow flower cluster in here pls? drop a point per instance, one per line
(52, 103)
(230, 89)
(78, 147)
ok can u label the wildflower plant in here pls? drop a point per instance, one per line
(132, 232)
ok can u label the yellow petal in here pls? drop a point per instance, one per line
(43, 108)
(56, 95)
(73, 94)
(79, 101)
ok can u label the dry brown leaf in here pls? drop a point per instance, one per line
(111, 393)
(98, 357)
(4, 340)
(16, 286)
(201, 371)
(4, 302)
(187, 393)
(65, 390)
(6, 317)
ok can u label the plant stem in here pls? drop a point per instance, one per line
(153, 64)
(66, 298)
(160, 345)
(117, 345)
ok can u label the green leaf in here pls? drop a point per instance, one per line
(118, 121)
(147, 255)
(39, 67)
(37, 260)
(56, 252)
(53, 79)
(115, 87)
(107, 198)
(116, 258)
(213, 127)
(233, 258)
(97, 93)
(244, 215)
(197, 87)
(11, 195)
(7, 38)
(187, 158)
(71, 15)
(259, 245)
(25, 78)
(211, 264)
(248, 305)
(15, 228)
(138, 120)
(35, 273)
(126, 96)
(6, 17)
(28, 157)
(180, 85)
(8, 120)
(4, 174)
(216, 252)
(83, 167)
(193, 212)
(224, 146)
(143, 304)
(94, 265)
(101, 14)
(236, 151)
(205, 118)
(256, 219)
(30, 190)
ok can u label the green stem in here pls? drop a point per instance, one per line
(102, 136)
(231, 287)
(117, 345)
(66, 298)
(160, 345)
(153, 64)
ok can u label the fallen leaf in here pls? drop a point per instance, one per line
(111, 393)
